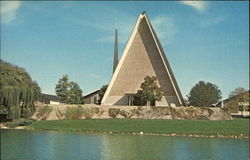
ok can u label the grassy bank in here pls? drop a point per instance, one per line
(234, 127)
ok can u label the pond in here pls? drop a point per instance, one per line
(41, 145)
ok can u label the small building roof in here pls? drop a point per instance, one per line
(91, 94)
(49, 97)
(228, 99)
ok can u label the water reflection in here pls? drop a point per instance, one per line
(29, 145)
(124, 147)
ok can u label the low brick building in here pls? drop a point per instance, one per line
(238, 104)
(92, 98)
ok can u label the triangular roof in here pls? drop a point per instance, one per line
(143, 52)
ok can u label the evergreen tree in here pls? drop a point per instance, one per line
(102, 92)
(149, 90)
(75, 94)
(69, 92)
(204, 94)
(62, 89)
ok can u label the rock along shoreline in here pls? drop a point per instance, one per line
(135, 133)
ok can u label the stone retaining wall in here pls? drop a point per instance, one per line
(145, 112)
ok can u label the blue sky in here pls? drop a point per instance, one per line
(202, 40)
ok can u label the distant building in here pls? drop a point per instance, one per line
(49, 99)
(237, 105)
(92, 98)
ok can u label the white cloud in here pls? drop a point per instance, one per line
(212, 21)
(93, 76)
(198, 5)
(106, 39)
(124, 29)
(8, 10)
(164, 27)
(122, 21)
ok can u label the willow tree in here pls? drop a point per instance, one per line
(17, 92)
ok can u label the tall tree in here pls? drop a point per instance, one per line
(62, 89)
(149, 90)
(236, 91)
(68, 92)
(75, 94)
(204, 94)
(17, 92)
(102, 92)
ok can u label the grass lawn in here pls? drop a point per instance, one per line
(201, 127)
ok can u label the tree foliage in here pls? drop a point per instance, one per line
(17, 92)
(204, 94)
(69, 92)
(236, 91)
(102, 92)
(149, 90)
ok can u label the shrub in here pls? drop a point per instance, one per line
(44, 112)
(202, 117)
(161, 110)
(180, 113)
(190, 113)
(210, 111)
(20, 122)
(98, 111)
(113, 112)
(59, 114)
(137, 111)
(87, 113)
(74, 112)
(126, 114)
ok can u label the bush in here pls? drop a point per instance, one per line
(190, 113)
(20, 122)
(87, 113)
(59, 114)
(202, 117)
(126, 114)
(137, 111)
(44, 112)
(74, 112)
(98, 111)
(210, 111)
(113, 112)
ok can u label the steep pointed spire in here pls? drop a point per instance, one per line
(115, 52)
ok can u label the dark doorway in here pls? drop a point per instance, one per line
(152, 103)
(139, 102)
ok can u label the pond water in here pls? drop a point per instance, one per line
(38, 145)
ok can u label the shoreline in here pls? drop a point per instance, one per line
(135, 133)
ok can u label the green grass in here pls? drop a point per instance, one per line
(200, 127)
